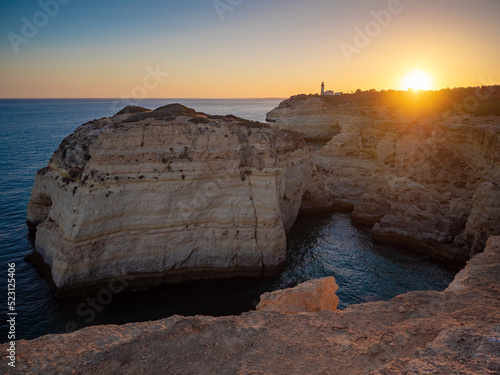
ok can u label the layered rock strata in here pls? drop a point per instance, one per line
(452, 332)
(309, 116)
(430, 183)
(167, 195)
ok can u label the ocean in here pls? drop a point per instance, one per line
(318, 245)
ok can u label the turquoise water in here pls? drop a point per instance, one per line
(329, 245)
(318, 246)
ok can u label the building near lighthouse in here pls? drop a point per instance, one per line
(323, 92)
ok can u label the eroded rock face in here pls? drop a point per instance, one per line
(420, 184)
(311, 296)
(167, 195)
(309, 116)
(429, 183)
(452, 332)
(484, 219)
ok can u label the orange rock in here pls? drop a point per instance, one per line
(311, 296)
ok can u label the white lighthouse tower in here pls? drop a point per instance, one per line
(322, 88)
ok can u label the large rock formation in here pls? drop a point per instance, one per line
(452, 332)
(427, 182)
(310, 116)
(166, 195)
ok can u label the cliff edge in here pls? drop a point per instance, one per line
(310, 116)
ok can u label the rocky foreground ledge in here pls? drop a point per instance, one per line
(166, 195)
(452, 332)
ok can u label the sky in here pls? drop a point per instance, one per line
(241, 48)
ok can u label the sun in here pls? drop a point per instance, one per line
(417, 80)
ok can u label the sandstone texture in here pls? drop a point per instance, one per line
(452, 332)
(312, 117)
(311, 296)
(167, 195)
(431, 183)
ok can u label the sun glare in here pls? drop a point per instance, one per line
(417, 80)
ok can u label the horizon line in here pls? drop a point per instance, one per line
(136, 100)
(239, 98)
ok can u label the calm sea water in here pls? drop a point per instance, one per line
(318, 246)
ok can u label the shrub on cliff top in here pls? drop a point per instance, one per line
(199, 120)
(132, 109)
(488, 109)
(166, 113)
(175, 109)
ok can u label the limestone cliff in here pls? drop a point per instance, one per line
(167, 195)
(312, 117)
(427, 182)
(417, 182)
(452, 332)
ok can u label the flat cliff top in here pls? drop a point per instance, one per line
(398, 107)
(450, 332)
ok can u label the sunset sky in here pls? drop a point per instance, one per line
(259, 48)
